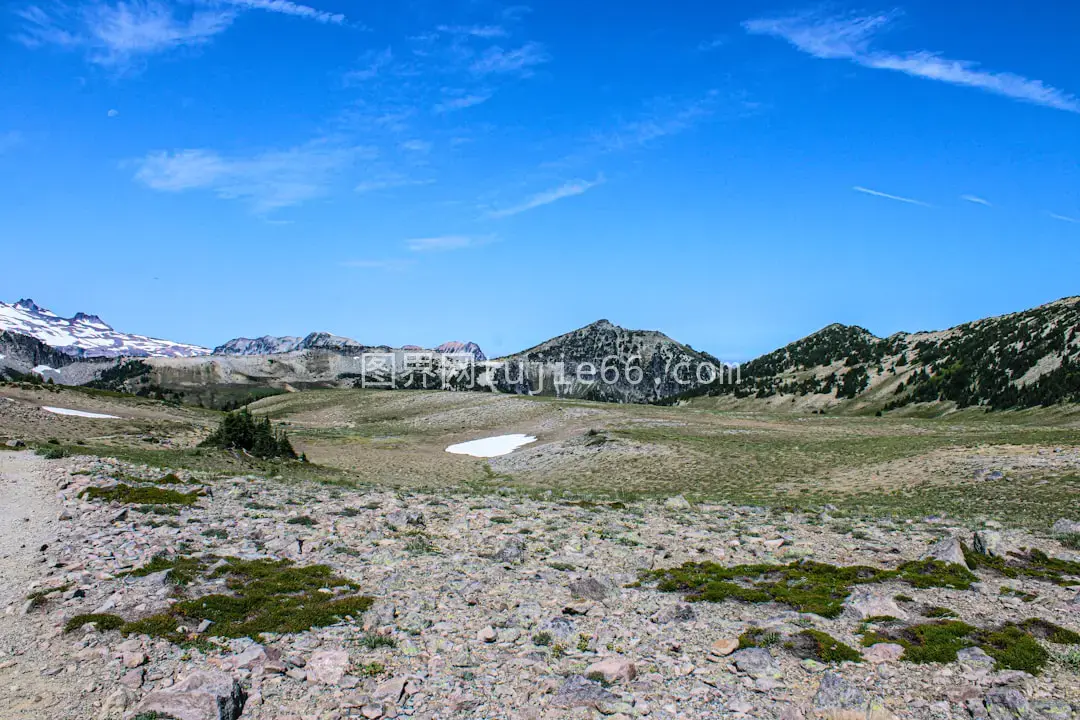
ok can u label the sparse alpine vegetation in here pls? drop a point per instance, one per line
(240, 430)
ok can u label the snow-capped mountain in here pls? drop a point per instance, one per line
(269, 345)
(86, 335)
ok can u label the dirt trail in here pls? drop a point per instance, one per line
(28, 512)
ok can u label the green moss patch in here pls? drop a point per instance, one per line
(101, 621)
(129, 494)
(263, 596)
(185, 570)
(1032, 563)
(1014, 646)
(806, 586)
(822, 647)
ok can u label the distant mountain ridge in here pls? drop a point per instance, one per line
(86, 335)
(270, 345)
(1022, 359)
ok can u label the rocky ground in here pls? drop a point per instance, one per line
(496, 606)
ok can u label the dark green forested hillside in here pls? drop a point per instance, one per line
(1024, 359)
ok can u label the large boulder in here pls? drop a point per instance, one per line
(577, 691)
(840, 699)
(327, 667)
(757, 663)
(865, 602)
(948, 551)
(201, 695)
(591, 588)
(988, 542)
(612, 669)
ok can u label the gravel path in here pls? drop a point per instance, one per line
(28, 512)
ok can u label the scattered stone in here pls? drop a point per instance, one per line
(512, 552)
(202, 695)
(988, 542)
(724, 646)
(866, 602)
(1066, 527)
(757, 663)
(948, 551)
(578, 691)
(975, 657)
(1004, 703)
(677, 502)
(327, 667)
(406, 517)
(839, 699)
(613, 669)
(590, 588)
(883, 653)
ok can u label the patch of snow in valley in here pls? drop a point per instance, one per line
(78, 413)
(492, 446)
(42, 369)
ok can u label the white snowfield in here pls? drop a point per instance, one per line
(86, 333)
(79, 413)
(492, 446)
(42, 369)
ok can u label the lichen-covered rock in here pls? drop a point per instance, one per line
(202, 695)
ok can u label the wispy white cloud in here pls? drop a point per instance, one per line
(887, 196)
(114, 34)
(665, 117)
(112, 113)
(267, 181)
(374, 62)
(417, 146)
(480, 31)
(442, 242)
(389, 182)
(1064, 218)
(713, 43)
(850, 38)
(460, 102)
(977, 200)
(285, 7)
(496, 61)
(568, 189)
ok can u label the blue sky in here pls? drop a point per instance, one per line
(734, 174)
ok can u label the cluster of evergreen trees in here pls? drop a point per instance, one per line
(240, 430)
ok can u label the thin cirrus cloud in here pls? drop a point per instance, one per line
(888, 196)
(496, 61)
(460, 102)
(1064, 218)
(266, 181)
(568, 189)
(114, 34)
(850, 38)
(479, 31)
(441, 243)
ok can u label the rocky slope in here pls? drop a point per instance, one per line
(86, 335)
(603, 361)
(22, 355)
(504, 606)
(1022, 359)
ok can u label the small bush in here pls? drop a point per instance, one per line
(103, 622)
(371, 641)
(302, 520)
(52, 452)
(816, 645)
(543, 639)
